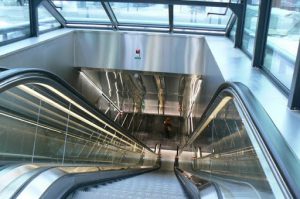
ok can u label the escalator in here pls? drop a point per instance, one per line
(156, 184)
(238, 151)
(53, 140)
(54, 144)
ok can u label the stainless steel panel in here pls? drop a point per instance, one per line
(40, 184)
(159, 52)
(55, 55)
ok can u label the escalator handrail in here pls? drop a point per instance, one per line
(13, 77)
(284, 158)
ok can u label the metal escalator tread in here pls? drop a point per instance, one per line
(157, 184)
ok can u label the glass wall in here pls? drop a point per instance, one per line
(78, 11)
(141, 13)
(46, 20)
(233, 31)
(201, 16)
(283, 40)
(250, 25)
(14, 19)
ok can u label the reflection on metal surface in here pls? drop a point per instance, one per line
(10, 174)
(40, 184)
(147, 92)
(142, 96)
(99, 90)
(160, 83)
(160, 52)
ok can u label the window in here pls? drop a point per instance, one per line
(82, 11)
(46, 20)
(14, 19)
(141, 13)
(250, 25)
(283, 40)
(233, 31)
(201, 17)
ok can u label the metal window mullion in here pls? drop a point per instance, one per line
(171, 18)
(111, 15)
(241, 14)
(33, 13)
(50, 7)
(294, 97)
(230, 25)
(261, 33)
(236, 9)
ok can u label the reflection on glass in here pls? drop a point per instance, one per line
(82, 11)
(141, 13)
(201, 16)
(14, 19)
(17, 136)
(46, 20)
(283, 40)
(233, 31)
(232, 153)
(250, 25)
(40, 124)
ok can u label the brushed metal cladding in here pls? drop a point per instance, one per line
(54, 55)
(159, 52)
(211, 79)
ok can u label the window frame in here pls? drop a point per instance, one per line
(9, 41)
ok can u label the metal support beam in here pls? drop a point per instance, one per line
(111, 15)
(294, 97)
(230, 25)
(240, 13)
(171, 18)
(50, 7)
(261, 32)
(237, 8)
(33, 13)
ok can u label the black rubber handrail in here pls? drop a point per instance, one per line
(284, 158)
(13, 77)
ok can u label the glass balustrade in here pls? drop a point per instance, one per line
(228, 152)
(41, 124)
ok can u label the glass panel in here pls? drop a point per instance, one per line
(141, 13)
(49, 145)
(17, 133)
(233, 31)
(250, 25)
(38, 123)
(14, 19)
(283, 40)
(201, 16)
(46, 20)
(82, 11)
